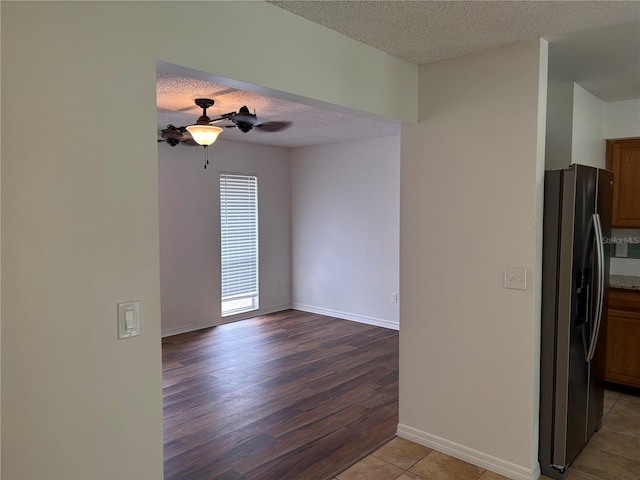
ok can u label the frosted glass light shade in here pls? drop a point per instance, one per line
(204, 134)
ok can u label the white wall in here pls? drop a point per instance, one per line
(345, 223)
(471, 205)
(559, 126)
(588, 145)
(622, 119)
(80, 228)
(575, 124)
(189, 205)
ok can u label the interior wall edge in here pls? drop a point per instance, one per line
(543, 85)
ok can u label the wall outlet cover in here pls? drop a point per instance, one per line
(515, 278)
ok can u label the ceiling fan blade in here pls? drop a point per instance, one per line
(273, 126)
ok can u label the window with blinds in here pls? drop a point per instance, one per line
(239, 243)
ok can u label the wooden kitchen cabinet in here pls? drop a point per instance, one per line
(623, 159)
(623, 338)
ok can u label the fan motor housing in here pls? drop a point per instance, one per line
(244, 126)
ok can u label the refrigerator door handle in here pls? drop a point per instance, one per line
(595, 328)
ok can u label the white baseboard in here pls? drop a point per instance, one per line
(192, 327)
(475, 457)
(189, 327)
(378, 322)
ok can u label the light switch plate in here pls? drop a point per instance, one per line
(128, 319)
(515, 278)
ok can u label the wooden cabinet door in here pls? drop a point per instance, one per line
(623, 159)
(623, 348)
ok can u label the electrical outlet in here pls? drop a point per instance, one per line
(394, 298)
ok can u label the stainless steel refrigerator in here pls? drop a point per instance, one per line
(575, 279)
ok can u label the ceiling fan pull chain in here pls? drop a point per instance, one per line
(206, 157)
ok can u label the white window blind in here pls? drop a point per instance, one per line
(239, 243)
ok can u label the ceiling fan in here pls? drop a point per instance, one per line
(174, 135)
(243, 120)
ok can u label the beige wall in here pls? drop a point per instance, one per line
(587, 139)
(189, 203)
(622, 119)
(80, 204)
(0, 270)
(471, 191)
(345, 213)
(559, 125)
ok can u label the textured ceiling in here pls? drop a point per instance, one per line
(175, 95)
(598, 41)
(601, 52)
(427, 31)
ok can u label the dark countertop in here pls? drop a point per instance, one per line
(626, 282)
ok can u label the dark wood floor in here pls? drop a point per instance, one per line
(290, 395)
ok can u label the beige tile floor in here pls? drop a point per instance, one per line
(613, 453)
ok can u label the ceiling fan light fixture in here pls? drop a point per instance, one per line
(204, 134)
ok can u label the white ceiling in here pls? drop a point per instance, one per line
(597, 42)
